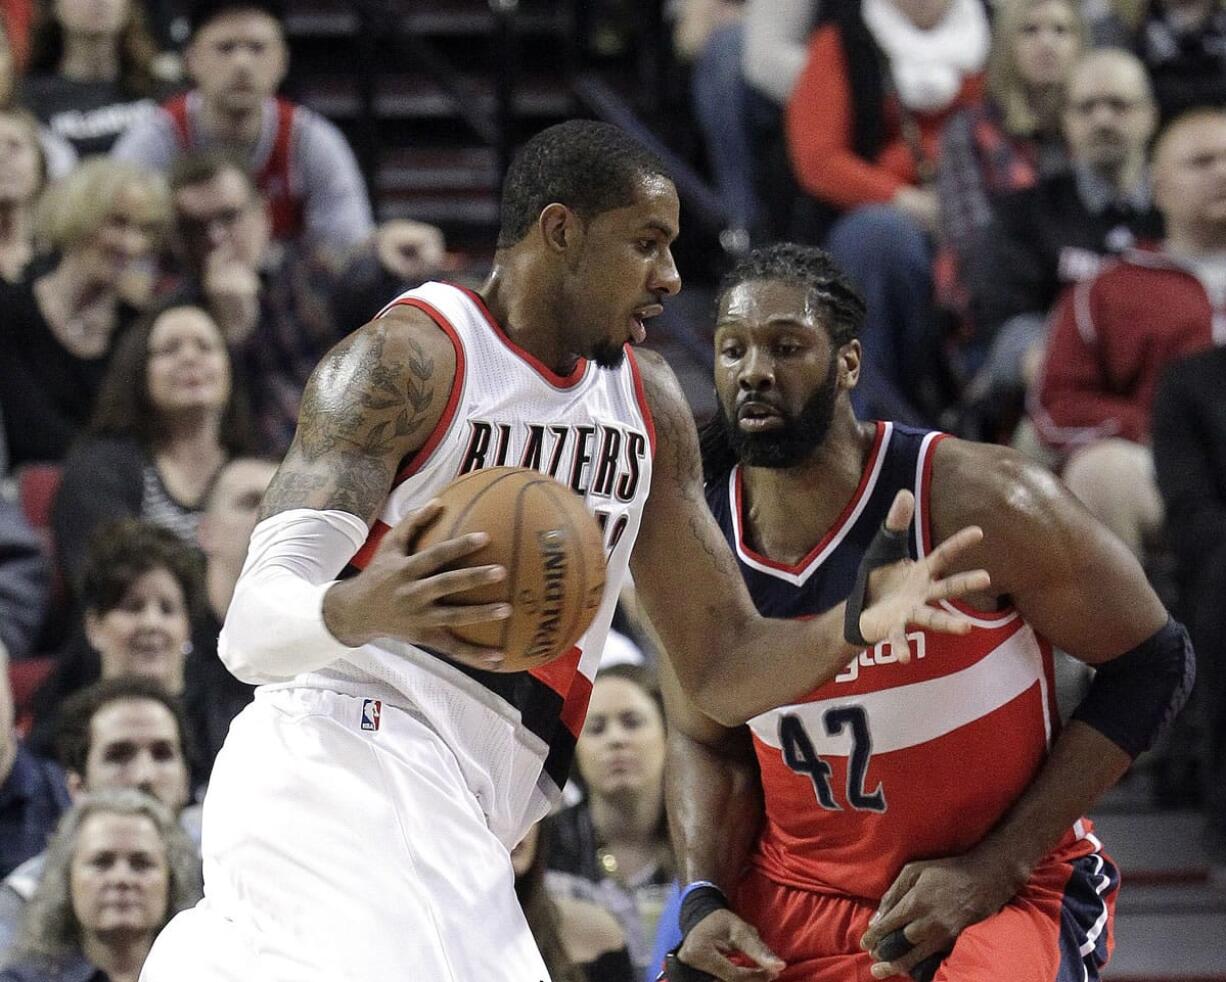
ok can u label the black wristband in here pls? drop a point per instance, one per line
(887, 547)
(698, 902)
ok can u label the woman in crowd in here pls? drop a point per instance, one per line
(90, 71)
(23, 172)
(579, 941)
(166, 421)
(140, 590)
(863, 125)
(614, 844)
(101, 224)
(1004, 143)
(117, 870)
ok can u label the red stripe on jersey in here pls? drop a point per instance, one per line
(834, 529)
(543, 370)
(641, 396)
(377, 532)
(418, 460)
(563, 676)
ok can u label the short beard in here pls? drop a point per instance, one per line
(798, 438)
(608, 355)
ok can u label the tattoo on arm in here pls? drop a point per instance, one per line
(361, 413)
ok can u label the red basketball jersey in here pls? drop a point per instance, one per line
(893, 762)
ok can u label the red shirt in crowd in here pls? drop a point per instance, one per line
(1111, 339)
(819, 130)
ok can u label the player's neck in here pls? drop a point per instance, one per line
(774, 525)
(521, 300)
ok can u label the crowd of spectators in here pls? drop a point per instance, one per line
(1030, 193)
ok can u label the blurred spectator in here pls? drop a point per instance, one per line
(166, 421)
(710, 34)
(237, 59)
(776, 44)
(1189, 442)
(579, 941)
(126, 732)
(90, 74)
(1181, 42)
(1008, 141)
(57, 152)
(614, 844)
(25, 582)
(140, 588)
(32, 792)
(774, 50)
(117, 870)
(1114, 335)
(1061, 230)
(101, 224)
(274, 301)
(23, 172)
(231, 509)
(864, 123)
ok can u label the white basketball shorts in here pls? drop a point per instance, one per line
(341, 843)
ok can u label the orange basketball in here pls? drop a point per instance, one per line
(552, 549)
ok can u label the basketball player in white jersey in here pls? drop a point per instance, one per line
(360, 816)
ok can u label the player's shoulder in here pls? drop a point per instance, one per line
(988, 484)
(660, 386)
(400, 349)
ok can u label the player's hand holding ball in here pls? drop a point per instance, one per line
(504, 571)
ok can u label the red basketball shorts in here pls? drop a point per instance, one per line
(1057, 929)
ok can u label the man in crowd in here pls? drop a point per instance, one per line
(237, 57)
(275, 301)
(1058, 232)
(120, 733)
(854, 832)
(1114, 334)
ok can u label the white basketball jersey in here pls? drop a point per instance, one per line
(513, 733)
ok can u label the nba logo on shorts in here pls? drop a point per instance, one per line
(372, 709)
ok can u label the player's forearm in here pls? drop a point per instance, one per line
(715, 810)
(1082, 765)
(275, 626)
(769, 662)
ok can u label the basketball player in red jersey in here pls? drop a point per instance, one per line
(360, 816)
(923, 817)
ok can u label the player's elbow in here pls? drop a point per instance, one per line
(718, 698)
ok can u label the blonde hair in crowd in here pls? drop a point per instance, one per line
(49, 929)
(73, 209)
(1004, 82)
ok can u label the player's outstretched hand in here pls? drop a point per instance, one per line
(718, 939)
(404, 594)
(932, 902)
(900, 594)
